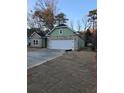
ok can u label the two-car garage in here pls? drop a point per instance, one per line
(61, 44)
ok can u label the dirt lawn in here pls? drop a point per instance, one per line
(74, 72)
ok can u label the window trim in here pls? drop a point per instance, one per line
(35, 42)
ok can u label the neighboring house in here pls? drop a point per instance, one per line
(62, 37)
(37, 39)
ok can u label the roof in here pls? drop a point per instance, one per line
(60, 25)
(41, 33)
(36, 30)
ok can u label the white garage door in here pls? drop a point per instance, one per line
(61, 44)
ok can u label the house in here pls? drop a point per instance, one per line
(62, 37)
(37, 39)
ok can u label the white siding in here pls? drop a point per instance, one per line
(36, 45)
(81, 43)
(76, 42)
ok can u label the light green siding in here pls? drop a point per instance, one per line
(43, 42)
(81, 43)
(66, 32)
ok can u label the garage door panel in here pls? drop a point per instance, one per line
(61, 44)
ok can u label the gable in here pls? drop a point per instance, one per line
(65, 32)
(35, 35)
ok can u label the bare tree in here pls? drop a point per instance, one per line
(33, 22)
(86, 24)
(46, 10)
(79, 26)
(72, 25)
(30, 21)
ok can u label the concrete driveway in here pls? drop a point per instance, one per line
(35, 58)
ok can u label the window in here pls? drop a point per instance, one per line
(60, 32)
(35, 42)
